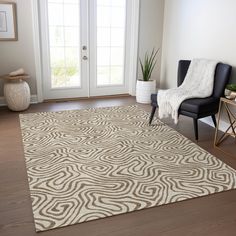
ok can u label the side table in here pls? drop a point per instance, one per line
(231, 130)
(16, 92)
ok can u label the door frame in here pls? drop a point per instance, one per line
(133, 50)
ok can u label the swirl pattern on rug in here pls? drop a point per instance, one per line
(88, 164)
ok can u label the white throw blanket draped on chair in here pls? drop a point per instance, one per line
(198, 83)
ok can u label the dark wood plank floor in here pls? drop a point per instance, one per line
(211, 215)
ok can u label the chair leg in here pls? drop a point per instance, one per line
(152, 114)
(195, 123)
(214, 120)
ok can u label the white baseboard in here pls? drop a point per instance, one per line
(33, 100)
(223, 125)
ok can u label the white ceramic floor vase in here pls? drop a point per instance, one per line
(17, 95)
(144, 89)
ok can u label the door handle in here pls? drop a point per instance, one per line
(85, 58)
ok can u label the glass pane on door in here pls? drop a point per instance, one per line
(64, 37)
(111, 25)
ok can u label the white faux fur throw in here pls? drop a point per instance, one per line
(198, 83)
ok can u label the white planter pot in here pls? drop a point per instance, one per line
(17, 95)
(227, 92)
(144, 89)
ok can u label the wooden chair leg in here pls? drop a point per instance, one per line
(214, 120)
(195, 123)
(152, 114)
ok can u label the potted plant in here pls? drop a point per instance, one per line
(146, 86)
(230, 91)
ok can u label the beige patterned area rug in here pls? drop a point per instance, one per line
(89, 164)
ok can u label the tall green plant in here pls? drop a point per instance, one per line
(148, 64)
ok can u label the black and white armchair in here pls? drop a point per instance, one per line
(198, 108)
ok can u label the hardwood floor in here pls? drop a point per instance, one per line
(210, 215)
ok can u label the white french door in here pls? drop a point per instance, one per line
(64, 29)
(85, 47)
(108, 38)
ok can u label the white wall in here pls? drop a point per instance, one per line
(17, 54)
(197, 29)
(151, 31)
